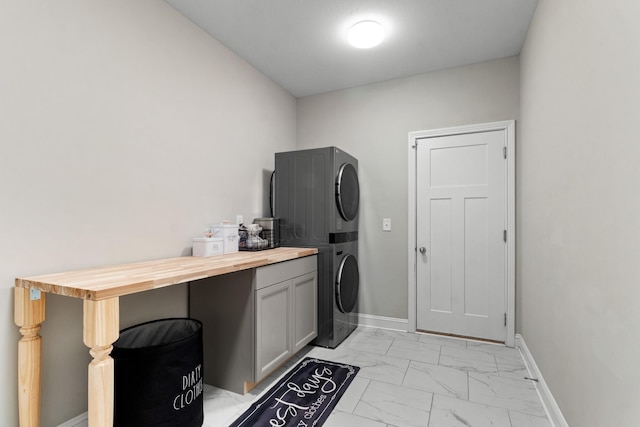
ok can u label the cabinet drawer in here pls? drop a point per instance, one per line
(276, 273)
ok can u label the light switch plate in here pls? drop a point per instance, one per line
(386, 224)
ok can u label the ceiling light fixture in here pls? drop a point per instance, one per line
(365, 34)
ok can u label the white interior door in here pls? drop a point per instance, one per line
(461, 218)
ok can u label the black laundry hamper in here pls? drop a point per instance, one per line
(159, 374)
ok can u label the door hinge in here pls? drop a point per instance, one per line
(505, 319)
(504, 152)
(504, 235)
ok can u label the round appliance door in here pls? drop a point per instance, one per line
(347, 192)
(347, 282)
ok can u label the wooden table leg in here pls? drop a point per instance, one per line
(101, 330)
(29, 314)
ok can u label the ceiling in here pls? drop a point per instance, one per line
(300, 44)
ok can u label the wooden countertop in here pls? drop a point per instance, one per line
(107, 282)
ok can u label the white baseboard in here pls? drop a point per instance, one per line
(382, 322)
(548, 401)
(81, 420)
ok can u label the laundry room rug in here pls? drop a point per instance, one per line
(304, 396)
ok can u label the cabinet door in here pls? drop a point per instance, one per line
(273, 320)
(305, 310)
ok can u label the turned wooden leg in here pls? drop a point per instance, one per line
(101, 330)
(29, 314)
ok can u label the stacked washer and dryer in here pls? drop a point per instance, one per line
(317, 196)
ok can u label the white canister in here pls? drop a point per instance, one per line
(229, 235)
(207, 246)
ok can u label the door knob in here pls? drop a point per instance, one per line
(423, 250)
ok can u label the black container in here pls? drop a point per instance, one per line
(270, 230)
(159, 374)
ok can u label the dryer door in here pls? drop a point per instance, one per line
(347, 282)
(347, 192)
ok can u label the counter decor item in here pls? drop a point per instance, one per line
(250, 239)
(270, 230)
(229, 234)
(208, 246)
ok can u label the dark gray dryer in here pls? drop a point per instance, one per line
(317, 196)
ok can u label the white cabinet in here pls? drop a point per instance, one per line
(304, 310)
(273, 320)
(254, 321)
(286, 312)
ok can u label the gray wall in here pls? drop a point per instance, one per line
(372, 123)
(124, 131)
(578, 210)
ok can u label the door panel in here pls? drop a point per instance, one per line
(460, 218)
(439, 268)
(459, 166)
(305, 310)
(476, 257)
(273, 320)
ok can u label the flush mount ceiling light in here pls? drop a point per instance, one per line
(365, 34)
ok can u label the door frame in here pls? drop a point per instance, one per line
(508, 127)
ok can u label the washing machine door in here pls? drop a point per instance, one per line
(347, 282)
(347, 192)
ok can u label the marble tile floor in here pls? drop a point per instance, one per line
(413, 380)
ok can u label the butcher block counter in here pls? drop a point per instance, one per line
(100, 288)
